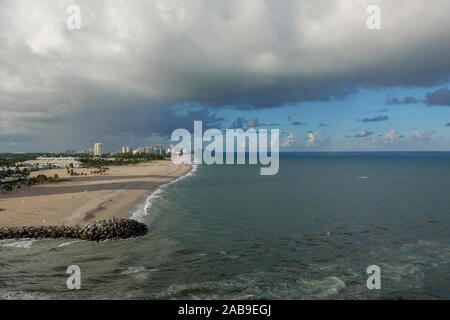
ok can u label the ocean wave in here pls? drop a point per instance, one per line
(254, 287)
(132, 270)
(20, 295)
(322, 288)
(194, 290)
(20, 244)
(397, 272)
(139, 272)
(69, 243)
(144, 209)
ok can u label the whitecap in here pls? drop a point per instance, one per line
(398, 271)
(132, 270)
(322, 288)
(139, 272)
(20, 295)
(69, 243)
(20, 244)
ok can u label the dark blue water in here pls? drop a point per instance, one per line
(226, 232)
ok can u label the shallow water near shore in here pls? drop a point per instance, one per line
(225, 232)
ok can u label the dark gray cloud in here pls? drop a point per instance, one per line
(405, 100)
(448, 124)
(297, 123)
(322, 125)
(145, 118)
(363, 134)
(375, 119)
(242, 123)
(381, 110)
(439, 97)
(239, 123)
(128, 121)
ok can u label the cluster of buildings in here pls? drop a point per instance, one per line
(17, 173)
(97, 150)
(9, 175)
(158, 149)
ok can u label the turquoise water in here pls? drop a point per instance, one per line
(225, 232)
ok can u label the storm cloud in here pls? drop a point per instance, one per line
(132, 62)
(439, 97)
(405, 100)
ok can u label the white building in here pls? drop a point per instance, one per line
(170, 150)
(127, 149)
(98, 149)
(139, 150)
(159, 149)
(58, 162)
(148, 149)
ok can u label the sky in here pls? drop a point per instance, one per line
(137, 70)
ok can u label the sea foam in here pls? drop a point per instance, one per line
(20, 244)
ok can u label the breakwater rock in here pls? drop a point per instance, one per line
(97, 231)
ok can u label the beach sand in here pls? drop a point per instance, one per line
(82, 199)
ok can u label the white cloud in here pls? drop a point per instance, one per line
(423, 136)
(288, 141)
(312, 139)
(363, 134)
(389, 137)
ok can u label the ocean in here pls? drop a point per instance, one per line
(225, 232)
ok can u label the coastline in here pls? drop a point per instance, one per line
(139, 213)
(77, 201)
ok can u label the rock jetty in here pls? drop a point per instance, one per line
(97, 231)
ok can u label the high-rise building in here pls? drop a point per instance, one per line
(159, 149)
(139, 150)
(98, 149)
(148, 149)
(127, 149)
(170, 150)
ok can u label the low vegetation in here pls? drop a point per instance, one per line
(26, 181)
(120, 160)
(12, 178)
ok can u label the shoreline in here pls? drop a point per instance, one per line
(140, 213)
(78, 201)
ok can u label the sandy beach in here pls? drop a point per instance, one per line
(78, 200)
